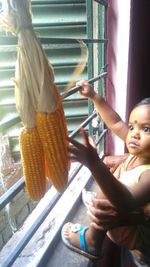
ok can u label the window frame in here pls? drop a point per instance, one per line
(97, 132)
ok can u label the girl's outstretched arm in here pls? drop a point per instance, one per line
(114, 190)
(108, 115)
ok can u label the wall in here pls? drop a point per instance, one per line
(139, 53)
(13, 216)
(118, 30)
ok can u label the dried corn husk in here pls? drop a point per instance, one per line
(34, 76)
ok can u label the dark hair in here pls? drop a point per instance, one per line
(144, 101)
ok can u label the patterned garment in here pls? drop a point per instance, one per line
(139, 259)
(134, 259)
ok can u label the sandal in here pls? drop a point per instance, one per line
(85, 250)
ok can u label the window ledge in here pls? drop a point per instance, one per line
(48, 234)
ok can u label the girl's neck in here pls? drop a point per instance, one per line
(137, 161)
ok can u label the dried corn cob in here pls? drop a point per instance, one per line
(54, 149)
(33, 163)
(53, 134)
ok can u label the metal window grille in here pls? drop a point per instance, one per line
(58, 24)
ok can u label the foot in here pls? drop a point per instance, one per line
(71, 233)
(73, 236)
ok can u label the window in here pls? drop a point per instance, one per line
(59, 25)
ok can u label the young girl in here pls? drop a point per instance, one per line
(129, 191)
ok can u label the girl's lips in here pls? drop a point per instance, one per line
(133, 144)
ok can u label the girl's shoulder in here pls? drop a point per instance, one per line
(133, 175)
(129, 163)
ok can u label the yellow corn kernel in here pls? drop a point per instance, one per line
(33, 163)
(53, 134)
(63, 126)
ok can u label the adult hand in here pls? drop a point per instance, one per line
(105, 216)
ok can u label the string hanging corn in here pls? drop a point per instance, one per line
(80, 67)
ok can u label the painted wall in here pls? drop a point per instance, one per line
(139, 53)
(118, 29)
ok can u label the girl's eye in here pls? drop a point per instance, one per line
(147, 129)
(130, 127)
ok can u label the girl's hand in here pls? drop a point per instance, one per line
(85, 153)
(86, 89)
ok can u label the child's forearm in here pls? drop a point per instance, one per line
(109, 116)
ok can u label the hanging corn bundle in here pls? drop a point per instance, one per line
(43, 141)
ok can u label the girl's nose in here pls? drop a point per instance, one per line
(136, 133)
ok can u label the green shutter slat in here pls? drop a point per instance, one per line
(61, 57)
(74, 122)
(65, 31)
(9, 123)
(62, 14)
(76, 108)
(57, 2)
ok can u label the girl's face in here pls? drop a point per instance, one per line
(138, 137)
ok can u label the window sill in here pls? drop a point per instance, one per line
(48, 234)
